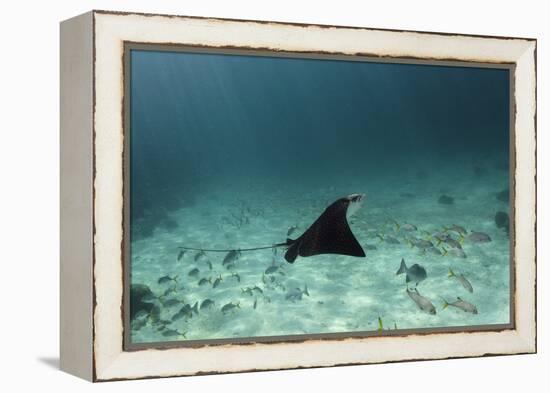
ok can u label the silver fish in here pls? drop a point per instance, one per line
(206, 303)
(230, 306)
(389, 239)
(154, 315)
(479, 237)
(166, 279)
(296, 294)
(453, 243)
(422, 302)
(199, 255)
(230, 257)
(434, 250)
(247, 291)
(272, 269)
(173, 332)
(181, 254)
(462, 280)
(421, 243)
(458, 229)
(415, 273)
(461, 304)
(455, 252)
(204, 281)
(193, 272)
(186, 311)
(441, 237)
(408, 227)
(257, 289)
(217, 281)
(179, 315)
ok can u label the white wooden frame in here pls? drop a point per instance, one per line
(92, 142)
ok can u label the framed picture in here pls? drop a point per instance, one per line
(245, 195)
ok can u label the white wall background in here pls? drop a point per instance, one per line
(29, 194)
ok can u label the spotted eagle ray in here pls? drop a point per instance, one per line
(329, 234)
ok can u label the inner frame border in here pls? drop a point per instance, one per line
(128, 46)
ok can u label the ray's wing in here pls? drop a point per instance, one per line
(330, 234)
(292, 252)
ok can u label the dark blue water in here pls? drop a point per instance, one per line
(198, 119)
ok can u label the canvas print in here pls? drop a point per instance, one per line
(282, 196)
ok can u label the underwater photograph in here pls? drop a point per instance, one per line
(274, 196)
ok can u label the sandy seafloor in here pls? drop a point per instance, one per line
(346, 294)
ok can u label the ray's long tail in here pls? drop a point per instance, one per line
(234, 249)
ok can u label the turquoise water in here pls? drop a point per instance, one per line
(230, 152)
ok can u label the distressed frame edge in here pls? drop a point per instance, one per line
(76, 196)
(526, 179)
(528, 339)
(304, 24)
(128, 346)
